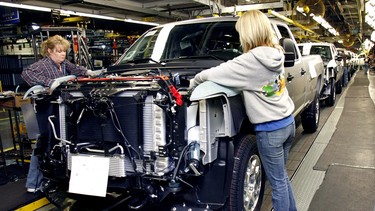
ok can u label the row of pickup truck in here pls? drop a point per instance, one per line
(339, 66)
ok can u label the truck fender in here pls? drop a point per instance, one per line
(221, 113)
(236, 110)
(209, 89)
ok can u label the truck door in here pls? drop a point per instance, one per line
(295, 76)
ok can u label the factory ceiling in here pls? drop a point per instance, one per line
(346, 16)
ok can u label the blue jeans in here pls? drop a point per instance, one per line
(346, 76)
(44, 109)
(274, 147)
(34, 176)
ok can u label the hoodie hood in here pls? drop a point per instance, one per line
(273, 61)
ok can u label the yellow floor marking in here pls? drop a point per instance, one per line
(35, 205)
(26, 160)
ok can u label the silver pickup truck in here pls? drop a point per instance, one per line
(333, 75)
(157, 145)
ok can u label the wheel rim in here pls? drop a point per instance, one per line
(252, 183)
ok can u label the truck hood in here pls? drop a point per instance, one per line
(182, 66)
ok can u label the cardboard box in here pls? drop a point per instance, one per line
(13, 102)
(18, 101)
(7, 102)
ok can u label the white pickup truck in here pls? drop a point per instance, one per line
(163, 145)
(333, 76)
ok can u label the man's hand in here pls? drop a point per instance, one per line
(94, 73)
(54, 85)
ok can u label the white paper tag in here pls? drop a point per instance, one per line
(313, 73)
(89, 175)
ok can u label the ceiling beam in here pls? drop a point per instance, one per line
(153, 4)
(137, 7)
(116, 10)
(220, 9)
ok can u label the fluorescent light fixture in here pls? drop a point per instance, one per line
(369, 17)
(95, 16)
(276, 14)
(326, 25)
(333, 31)
(35, 26)
(367, 45)
(318, 19)
(68, 12)
(23, 6)
(370, 20)
(141, 22)
(301, 10)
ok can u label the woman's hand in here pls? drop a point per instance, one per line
(54, 85)
(94, 73)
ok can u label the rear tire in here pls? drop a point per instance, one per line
(330, 101)
(248, 179)
(310, 116)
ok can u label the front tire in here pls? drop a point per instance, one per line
(310, 116)
(248, 179)
(330, 101)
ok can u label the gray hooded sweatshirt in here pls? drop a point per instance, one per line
(259, 74)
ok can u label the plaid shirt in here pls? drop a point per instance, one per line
(45, 70)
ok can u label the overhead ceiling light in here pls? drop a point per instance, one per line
(370, 18)
(23, 6)
(276, 14)
(68, 12)
(325, 24)
(301, 10)
(367, 45)
(34, 26)
(333, 31)
(95, 16)
(141, 22)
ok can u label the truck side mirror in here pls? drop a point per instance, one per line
(290, 53)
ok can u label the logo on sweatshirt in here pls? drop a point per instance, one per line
(275, 86)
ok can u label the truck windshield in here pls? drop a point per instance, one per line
(142, 48)
(207, 40)
(323, 51)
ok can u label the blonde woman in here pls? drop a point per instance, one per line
(53, 64)
(259, 74)
(43, 72)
